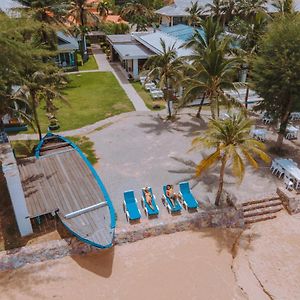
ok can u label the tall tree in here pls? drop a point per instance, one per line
(284, 6)
(167, 68)
(231, 143)
(194, 12)
(137, 14)
(79, 14)
(42, 86)
(212, 70)
(276, 71)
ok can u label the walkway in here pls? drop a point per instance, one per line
(105, 66)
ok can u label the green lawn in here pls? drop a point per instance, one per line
(92, 97)
(24, 149)
(145, 95)
(91, 64)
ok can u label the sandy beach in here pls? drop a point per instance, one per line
(186, 265)
(259, 263)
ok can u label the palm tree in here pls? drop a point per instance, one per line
(79, 14)
(41, 86)
(232, 143)
(50, 15)
(194, 14)
(284, 6)
(137, 14)
(211, 74)
(250, 8)
(166, 67)
(210, 30)
(103, 8)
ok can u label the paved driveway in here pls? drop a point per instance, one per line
(143, 149)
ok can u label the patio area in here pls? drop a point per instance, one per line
(144, 149)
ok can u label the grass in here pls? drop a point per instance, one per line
(91, 64)
(24, 149)
(147, 97)
(92, 97)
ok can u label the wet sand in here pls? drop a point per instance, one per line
(186, 265)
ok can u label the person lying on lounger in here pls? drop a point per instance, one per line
(171, 195)
(148, 197)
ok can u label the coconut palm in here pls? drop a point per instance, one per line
(211, 74)
(210, 30)
(284, 6)
(50, 15)
(194, 11)
(250, 8)
(41, 86)
(167, 68)
(232, 143)
(80, 15)
(103, 8)
(137, 14)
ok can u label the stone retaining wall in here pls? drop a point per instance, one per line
(228, 217)
(290, 200)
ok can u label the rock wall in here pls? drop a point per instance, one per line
(290, 200)
(227, 217)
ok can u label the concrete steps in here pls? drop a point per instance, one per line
(261, 210)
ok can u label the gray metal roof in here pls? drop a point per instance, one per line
(132, 51)
(153, 42)
(66, 42)
(8, 6)
(120, 38)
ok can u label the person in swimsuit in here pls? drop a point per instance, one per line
(170, 194)
(148, 197)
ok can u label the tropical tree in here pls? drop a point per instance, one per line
(284, 6)
(211, 72)
(16, 53)
(276, 71)
(249, 32)
(167, 68)
(50, 16)
(80, 15)
(42, 86)
(247, 9)
(103, 8)
(231, 144)
(210, 30)
(137, 14)
(194, 11)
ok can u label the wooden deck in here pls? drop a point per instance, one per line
(60, 181)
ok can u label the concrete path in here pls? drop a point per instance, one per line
(105, 66)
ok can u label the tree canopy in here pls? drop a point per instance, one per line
(276, 70)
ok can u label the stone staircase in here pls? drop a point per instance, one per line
(261, 210)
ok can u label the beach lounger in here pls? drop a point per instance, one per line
(188, 200)
(148, 210)
(168, 203)
(130, 206)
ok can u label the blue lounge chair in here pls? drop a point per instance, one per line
(130, 206)
(168, 203)
(188, 200)
(147, 208)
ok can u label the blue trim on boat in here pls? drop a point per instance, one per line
(98, 180)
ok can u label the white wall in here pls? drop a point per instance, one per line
(12, 176)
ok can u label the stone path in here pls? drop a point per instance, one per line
(105, 66)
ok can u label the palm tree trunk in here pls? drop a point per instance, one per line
(221, 182)
(35, 115)
(283, 124)
(246, 97)
(200, 106)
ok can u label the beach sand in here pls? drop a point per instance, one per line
(185, 265)
(259, 263)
